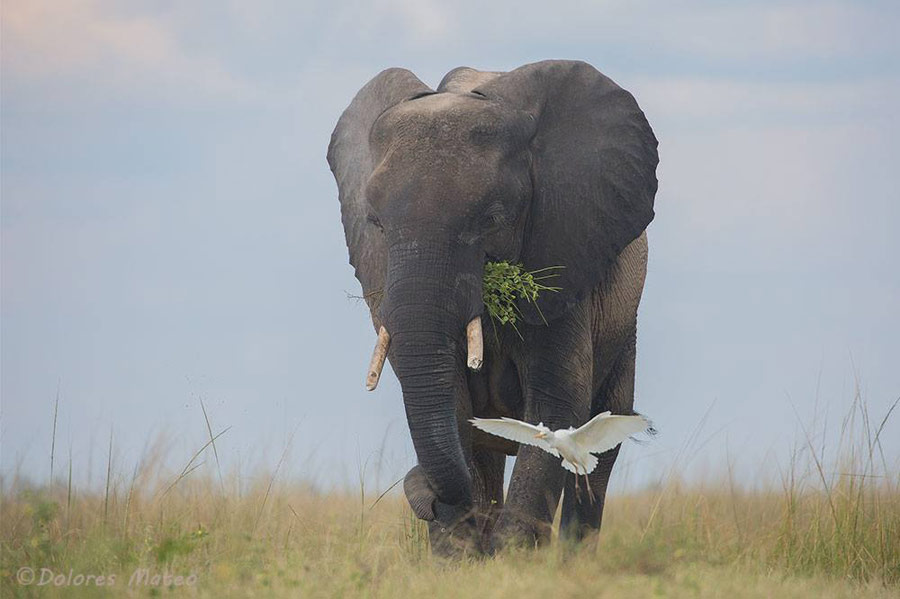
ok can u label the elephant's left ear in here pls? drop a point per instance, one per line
(351, 160)
(594, 163)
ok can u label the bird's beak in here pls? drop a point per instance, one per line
(541, 435)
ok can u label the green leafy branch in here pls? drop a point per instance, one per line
(505, 284)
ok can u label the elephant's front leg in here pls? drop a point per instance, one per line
(487, 478)
(582, 514)
(555, 371)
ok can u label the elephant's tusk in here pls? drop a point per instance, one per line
(378, 356)
(475, 343)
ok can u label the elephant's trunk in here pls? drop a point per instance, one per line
(429, 374)
(433, 291)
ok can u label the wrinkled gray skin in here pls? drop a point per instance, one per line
(551, 164)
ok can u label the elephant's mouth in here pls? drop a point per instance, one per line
(474, 359)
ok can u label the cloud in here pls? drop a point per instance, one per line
(422, 19)
(129, 223)
(776, 168)
(791, 31)
(422, 23)
(719, 33)
(705, 99)
(78, 44)
(201, 52)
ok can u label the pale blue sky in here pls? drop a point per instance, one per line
(170, 229)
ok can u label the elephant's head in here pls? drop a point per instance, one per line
(551, 164)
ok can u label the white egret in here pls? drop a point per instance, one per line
(576, 446)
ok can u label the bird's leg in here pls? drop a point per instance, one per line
(587, 483)
(580, 470)
(577, 488)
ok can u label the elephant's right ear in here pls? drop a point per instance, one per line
(352, 162)
(593, 170)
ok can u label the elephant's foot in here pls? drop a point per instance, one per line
(514, 530)
(534, 491)
(452, 529)
(462, 539)
(575, 535)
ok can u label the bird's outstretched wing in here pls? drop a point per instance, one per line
(514, 430)
(605, 430)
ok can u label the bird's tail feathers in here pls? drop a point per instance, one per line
(590, 462)
(569, 466)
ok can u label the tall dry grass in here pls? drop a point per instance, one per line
(829, 527)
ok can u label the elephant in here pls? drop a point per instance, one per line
(548, 165)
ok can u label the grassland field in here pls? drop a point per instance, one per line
(821, 530)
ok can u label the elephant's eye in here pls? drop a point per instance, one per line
(492, 219)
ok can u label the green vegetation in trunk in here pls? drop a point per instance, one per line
(505, 284)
